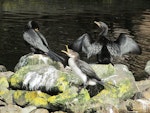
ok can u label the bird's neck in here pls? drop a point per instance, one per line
(103, 32)
(102, 40)
(73, 64)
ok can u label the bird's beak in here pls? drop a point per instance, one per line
(36, 29)
(67, 50)
(97, 23)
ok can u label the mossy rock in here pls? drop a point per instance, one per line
(3, 83)
(102, 70)
(36, 98)
(36, 59)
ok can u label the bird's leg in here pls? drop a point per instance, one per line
(84, 85)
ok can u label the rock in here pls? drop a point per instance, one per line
(40, 111)
(40, 77)
(34, 98)
(36, 59)
(2, 103)
(146, 94)
(107, 108)
(6, 96)
(6, 74)
(2, 68)
(143, 85)
(139, 105)
(10, 109)
(69, 101)
(103, 71)
(59, 112)
(125, 88)
(3, 83)
(43, 83)
(28, 109)
(147, 67)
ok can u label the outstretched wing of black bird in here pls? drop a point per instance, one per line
(127, 45)
(85, 45)
(37, 40)
(123, 45)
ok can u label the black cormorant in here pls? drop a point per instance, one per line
(104, 48)
(38, 43)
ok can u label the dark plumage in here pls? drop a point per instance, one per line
(104, 48)
(83, 69)
(37, 41)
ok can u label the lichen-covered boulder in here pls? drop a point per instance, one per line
(3, 83)
(36, 98)
(39, 77)
(103, 71)
(6, 74)
(125, 88)
(36, 59)
(147, 67)
(43, 83)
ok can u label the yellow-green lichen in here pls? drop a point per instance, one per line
(30, 96)
(37, 98)
(3, 83)
(3, 92)
(38, 101)
(18, 94)
(62, 83)
(18, 77)
(52, 99)
(63, 97)
(43, 95)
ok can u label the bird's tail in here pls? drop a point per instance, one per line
(106, 84)
(55, 56)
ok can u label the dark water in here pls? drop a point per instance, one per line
(62, 21)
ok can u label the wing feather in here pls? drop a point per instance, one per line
(87, 69)
(127, 45)
(34, 40)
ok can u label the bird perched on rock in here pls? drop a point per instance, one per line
(103, 47)
(38, 43)
(83, 69)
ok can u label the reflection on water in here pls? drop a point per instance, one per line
(63, 21)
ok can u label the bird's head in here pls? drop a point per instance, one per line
(33, 25)
(103, 27)
(70, 52)
(100, 24)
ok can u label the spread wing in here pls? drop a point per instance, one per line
(34, 40)
(80, 42)
(84, 44)
(87, 69)
(123, 45)
(127, 45)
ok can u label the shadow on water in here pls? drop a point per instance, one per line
(63, 21)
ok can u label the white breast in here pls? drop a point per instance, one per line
(77, 70)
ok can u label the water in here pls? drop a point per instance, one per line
(63, 21)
